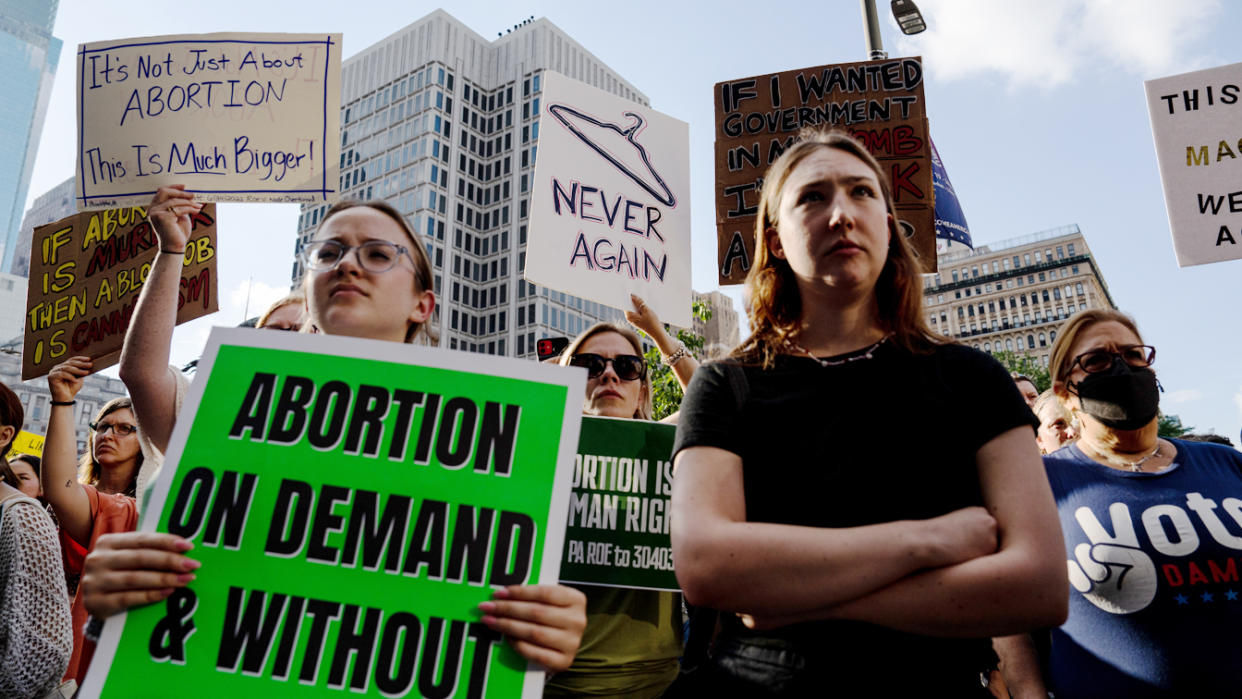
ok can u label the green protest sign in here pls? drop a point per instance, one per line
(351, 501)
(619, 509)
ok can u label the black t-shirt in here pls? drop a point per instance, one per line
(875, 440)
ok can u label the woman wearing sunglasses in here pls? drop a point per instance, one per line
(1152, 527)
(860, 498)
(631, 644)
(99, 498)
(368, 276)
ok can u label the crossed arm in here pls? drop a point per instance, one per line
(973, 572)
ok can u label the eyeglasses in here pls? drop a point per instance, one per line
(627, 366)
(120, 428)
(374, 255)
(1096, 361)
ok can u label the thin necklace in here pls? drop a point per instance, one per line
(1135, 466)
(867, 354)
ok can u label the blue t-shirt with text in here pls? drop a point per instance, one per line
(1153, 559)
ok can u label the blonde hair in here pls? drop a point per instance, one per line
(774, 305)
(422, 262)
(644, 410)
(297, 297)
(1060, 363)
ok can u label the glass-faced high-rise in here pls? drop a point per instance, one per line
(443, 124)
(28, 56)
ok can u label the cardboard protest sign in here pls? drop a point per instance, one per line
(352, 502)
(1194, 122)
(234, 117)
(618, 533)
(85, 274)
(879, 102)
(610, 212)
(26, 443)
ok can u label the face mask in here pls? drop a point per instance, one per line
(1123, 397)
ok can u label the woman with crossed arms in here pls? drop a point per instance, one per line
(864, 535)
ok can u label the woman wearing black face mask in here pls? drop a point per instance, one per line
(1152, 530)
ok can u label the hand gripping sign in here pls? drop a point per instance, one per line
(351, 501)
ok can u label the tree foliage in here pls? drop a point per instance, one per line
(1171, 426)
(1026, 365)
(666, 393)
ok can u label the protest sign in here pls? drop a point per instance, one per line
(234, 117)
(26, 443)
(618, 533)
(351, 502)
(610, 211)
(1194, 122)
(878, 102)
(85, 274)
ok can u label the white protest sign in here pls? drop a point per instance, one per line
(234, 117)
(610, 213)
(1195, 120)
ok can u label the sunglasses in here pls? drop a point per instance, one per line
(627, 366)
(122, 429)
(1096, 361)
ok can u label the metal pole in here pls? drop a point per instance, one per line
(871, 23)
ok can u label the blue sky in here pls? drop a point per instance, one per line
(1037, 108)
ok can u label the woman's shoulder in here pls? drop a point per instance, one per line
(1208, 452)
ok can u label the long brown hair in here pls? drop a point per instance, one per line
(422, 262)
(89, 469)
(644, 410)
(774, 305)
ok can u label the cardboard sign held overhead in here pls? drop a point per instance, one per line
(352, 502)
(1194, 122)
(879, 102)
(85, 274)
(610, 211)
(234, 117)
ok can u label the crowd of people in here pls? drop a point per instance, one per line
(859, 506)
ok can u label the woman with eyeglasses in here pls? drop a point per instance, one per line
(861, 499)
(631, 644)
(1152, 526)
(98, 499)
(368, 276)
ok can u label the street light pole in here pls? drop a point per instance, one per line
(871, 23)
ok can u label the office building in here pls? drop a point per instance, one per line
(28, 57)
(444, 124)
(52, 205)
(1014, 294)
(720, 332)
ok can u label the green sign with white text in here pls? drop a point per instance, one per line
(351, 503)
(618, 533)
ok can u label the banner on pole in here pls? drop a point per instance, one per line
(85, 275)
(351, 502)
(880, 103)
(610, 211)
(234, 117)
(618, 533)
